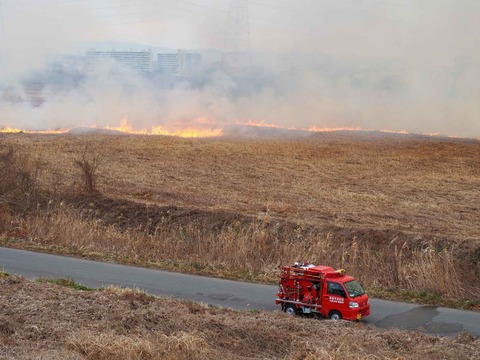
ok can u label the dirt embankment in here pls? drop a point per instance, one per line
(392, 258)
(231, 245)
(47, 321)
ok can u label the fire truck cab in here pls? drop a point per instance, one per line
(309, 289)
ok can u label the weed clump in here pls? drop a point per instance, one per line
(88, 163)
(178, 346)
(70, 283)
(19, 172)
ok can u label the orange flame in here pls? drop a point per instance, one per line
(126, 128)
(402, 132)
(330, 129)
(264, 124)
(261, 123)
(185, 132)
(198, 129)
(188, 132)
(48, 131)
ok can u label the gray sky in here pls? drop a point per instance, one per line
(432, 48)
(423, 30)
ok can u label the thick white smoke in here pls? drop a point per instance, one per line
(374, 64)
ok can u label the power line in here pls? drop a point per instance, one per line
(2, 28)
(237, 58)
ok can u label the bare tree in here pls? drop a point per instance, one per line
(88, 163)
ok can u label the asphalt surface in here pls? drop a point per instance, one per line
(226, 293)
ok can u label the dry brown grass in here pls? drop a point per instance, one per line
(397, 212)
(47, 321)
(420, 185)
(107, 346)
(254, 251)
(19, 171)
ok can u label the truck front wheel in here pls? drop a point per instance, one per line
(290, 309)
(335, 315)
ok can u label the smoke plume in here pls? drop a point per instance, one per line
(375, 64)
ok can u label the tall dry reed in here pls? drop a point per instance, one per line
(252, 250)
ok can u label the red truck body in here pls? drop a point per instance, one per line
(321, 290)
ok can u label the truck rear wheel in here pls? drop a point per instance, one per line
(290, 309)
(335, 315)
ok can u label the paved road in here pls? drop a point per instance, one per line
(227, 293)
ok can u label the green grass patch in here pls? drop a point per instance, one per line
(4, 274)
(212, 306)
(67, 283)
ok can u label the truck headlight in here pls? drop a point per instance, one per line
(353, 305)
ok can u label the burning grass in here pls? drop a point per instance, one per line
(44, 320)
(398, 212)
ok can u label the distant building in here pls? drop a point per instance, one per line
(71, 62)
(139, 61)
(167, 63)
(34, 92)
(181, 63)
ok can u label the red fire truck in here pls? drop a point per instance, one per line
(309, 289)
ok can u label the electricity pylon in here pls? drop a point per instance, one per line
(2, 29)
(237, 56)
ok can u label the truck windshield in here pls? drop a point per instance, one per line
(354, 289)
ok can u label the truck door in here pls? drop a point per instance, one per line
(334, 298)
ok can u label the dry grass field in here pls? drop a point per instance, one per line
(399, 212)
(45, 321)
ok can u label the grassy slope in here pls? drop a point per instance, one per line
(42, 320)
(413, 184)
(394, 210)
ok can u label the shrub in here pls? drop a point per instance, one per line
(88, 164)
(19, 172)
